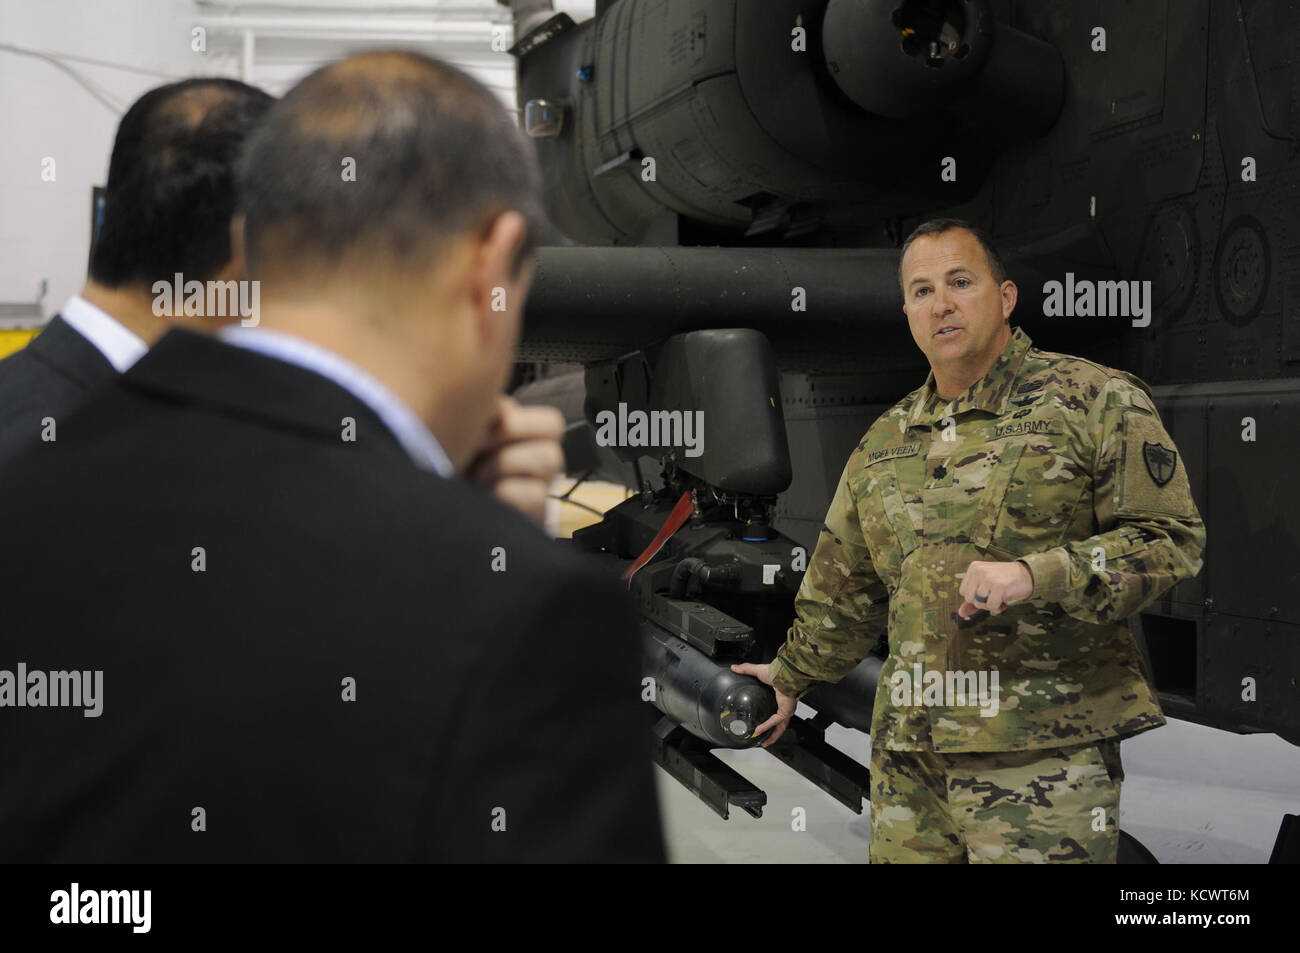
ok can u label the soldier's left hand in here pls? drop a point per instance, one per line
(785, 704)
(520, 456)
(994, 586)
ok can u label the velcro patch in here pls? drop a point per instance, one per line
(1152, 477)
(892, 453)
(1029, 426)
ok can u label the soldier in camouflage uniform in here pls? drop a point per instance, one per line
(999, 524)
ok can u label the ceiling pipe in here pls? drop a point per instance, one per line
(346, 26)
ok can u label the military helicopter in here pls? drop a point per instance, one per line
(730, 181)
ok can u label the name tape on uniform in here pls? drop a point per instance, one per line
(1018, 427)
(893, 453)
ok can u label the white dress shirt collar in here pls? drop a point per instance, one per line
(119, 345)
(411, 432)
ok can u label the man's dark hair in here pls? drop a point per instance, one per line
(937, 226)
(171, 182)
(386, 156)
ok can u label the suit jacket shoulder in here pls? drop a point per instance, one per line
(47, 379)
(338, 655)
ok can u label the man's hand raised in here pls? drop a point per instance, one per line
(520, 457)
(994, 586)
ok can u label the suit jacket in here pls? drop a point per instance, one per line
(47, 378)
(311, 649)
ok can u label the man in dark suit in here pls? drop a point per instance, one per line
(296, 633)
(168, 205)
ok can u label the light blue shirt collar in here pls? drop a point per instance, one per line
(411, 432)
(120, 346)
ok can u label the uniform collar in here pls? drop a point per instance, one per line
(990, 393)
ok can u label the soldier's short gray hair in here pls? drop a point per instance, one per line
(937, 226)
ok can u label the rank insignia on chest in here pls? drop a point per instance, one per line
(1161, 462)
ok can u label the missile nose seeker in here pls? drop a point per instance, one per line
(709, 700)
(745, 707)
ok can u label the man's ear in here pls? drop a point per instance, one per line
(495, 257)
(505, 236)
(1009, 295)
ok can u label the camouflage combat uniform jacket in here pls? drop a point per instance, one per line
(1050, 459)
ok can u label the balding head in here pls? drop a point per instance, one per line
(374, 164)
(171, 183)
(391, 204)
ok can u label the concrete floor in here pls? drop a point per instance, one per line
(1191, 794)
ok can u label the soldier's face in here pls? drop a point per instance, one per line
(956, 310)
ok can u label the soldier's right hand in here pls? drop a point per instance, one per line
(785, 704)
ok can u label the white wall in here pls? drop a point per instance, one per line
(47, 113)
(137, 44)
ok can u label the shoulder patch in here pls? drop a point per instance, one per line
(1152, 479)
(1161, 461)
